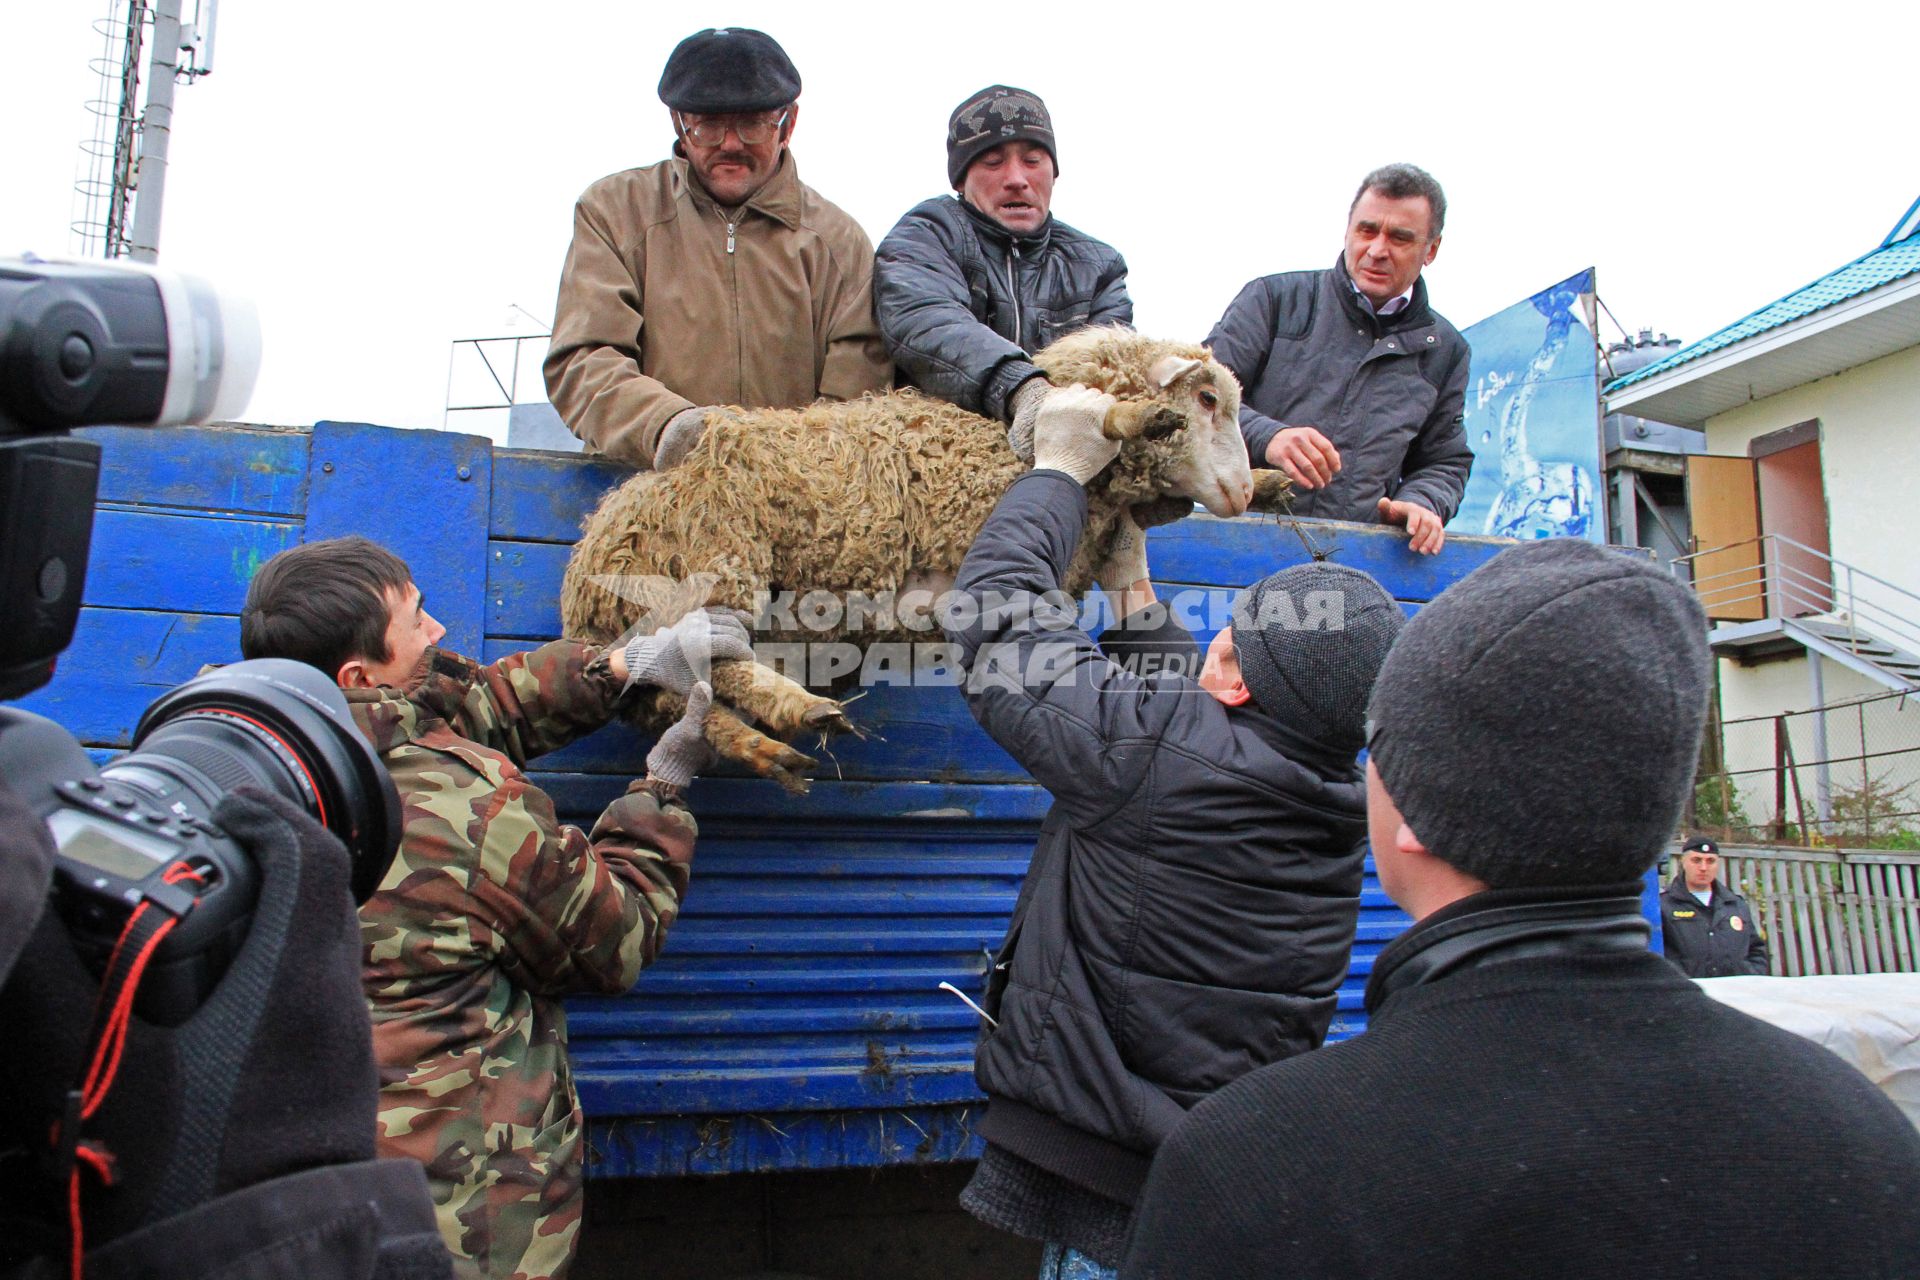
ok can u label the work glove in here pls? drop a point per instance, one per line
(676, 656)
(1068, 432)
(1126, 563)
(683, 431)
(1023, 404)
(271, 1075)
(683, 749)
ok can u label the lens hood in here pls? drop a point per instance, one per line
(307, 714)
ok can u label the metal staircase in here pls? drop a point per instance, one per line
(1772, 595)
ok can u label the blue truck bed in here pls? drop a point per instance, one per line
(794, 1021)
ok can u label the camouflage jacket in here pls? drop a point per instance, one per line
(491, 912)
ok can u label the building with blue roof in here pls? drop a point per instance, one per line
(1805, 551)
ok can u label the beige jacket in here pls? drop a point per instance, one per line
(665, 304)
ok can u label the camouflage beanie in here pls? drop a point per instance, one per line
(990, 117)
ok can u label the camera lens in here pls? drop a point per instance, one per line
(281, 726)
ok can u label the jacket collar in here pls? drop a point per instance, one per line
(1303, 748)
(389, 717)
(781, 199)
(1415, 314)
(1502, 925)
(1677, 891)
(989, 230)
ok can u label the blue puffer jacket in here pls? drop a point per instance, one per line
(962, 302)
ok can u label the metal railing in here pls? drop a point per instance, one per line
(1845, 774)
(1790, 580)
(493, 365)
(1831, 911)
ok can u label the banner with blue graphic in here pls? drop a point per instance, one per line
(1533, 418)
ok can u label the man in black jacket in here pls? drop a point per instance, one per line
(966, 289)
(1509, 1111)
(1705, 927)
(1352, 384)
(1191, 902)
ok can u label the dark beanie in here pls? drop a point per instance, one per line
(990, 117)
(1310, 640)
(728, 69)
(1539, 722)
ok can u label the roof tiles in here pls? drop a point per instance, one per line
(1864, 274)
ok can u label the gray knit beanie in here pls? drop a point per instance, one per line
(1539, 722)
(1310, 640)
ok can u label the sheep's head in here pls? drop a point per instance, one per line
(1178, 419)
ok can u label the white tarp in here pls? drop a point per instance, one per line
(1871, 1019)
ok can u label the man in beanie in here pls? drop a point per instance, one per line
(1354, 385)
(1191, 902)
(1706, 928)
(713, 278)
(1510, 1111)
(968, 287)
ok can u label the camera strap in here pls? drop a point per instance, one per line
(147, 926)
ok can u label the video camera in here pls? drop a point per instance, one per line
(84, 344)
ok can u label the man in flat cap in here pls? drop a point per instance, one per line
(712, 278)
(967, 288)
(1509, 1113)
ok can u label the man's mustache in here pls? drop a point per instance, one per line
(732, 157)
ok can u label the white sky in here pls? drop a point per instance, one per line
(385, 178)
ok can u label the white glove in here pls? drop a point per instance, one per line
(1068, 435)
(1126, 564)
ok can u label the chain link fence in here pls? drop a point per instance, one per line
(1847, 775)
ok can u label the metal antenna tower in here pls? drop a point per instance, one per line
(123, 170)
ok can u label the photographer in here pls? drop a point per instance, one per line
(190, 1083)
(493, 910)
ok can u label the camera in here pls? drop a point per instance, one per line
(84, 344)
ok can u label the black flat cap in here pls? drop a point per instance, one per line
(728, 69)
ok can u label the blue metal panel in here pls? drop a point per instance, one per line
(1650, 907)
(137, 558)
(668, 1145)
(255, 470)
(543, 497)
(121, 660)
(424, 495)
(795, 1019)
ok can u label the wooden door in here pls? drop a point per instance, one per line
(1723, 500)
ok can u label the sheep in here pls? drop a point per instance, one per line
(870, 499)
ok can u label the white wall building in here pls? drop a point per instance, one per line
(1806, 521)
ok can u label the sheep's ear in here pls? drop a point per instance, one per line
(1168, 368)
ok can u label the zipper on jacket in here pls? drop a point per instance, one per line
(730, 227)
(1013, 291)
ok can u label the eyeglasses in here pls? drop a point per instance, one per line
(711, 131)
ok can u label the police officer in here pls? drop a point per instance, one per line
(1708, 929)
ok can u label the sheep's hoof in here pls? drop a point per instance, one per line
(829, 717)
(1272, 492)
(772, 758)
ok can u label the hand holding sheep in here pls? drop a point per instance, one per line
(1070, 434)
